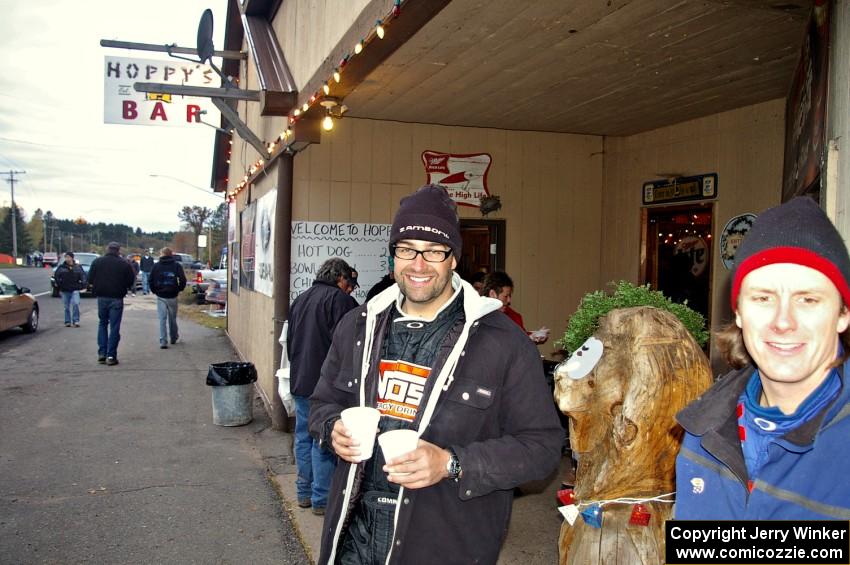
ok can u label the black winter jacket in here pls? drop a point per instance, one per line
(313, 316)
(146, 264)
(167, 264)
(496, 414)
(69, 279)
(111, 276)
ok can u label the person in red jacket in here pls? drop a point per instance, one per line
(500, 286)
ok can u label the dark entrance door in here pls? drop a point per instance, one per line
(483, 246)
(677, 242)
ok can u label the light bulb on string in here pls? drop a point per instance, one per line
(358, 48)
(305, 107)
(336, 75)
(328, 123)
(396, 8)
(379, 29)
(326, 88)
(296, 112)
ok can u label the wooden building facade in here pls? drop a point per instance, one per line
(578, 105)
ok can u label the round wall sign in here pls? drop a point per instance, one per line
(732, 236)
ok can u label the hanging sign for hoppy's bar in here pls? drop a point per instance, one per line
(123, 105)
(464, 176)
(699, 187)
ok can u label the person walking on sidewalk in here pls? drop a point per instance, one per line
(167, 280)
(111, 277)
(71, 279)
(135, 266)
(312, 319)
(433, 356)
(146, 266)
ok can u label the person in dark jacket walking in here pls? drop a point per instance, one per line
(146, 266)
(71, 279)
(135, 266)
(111, 277)
(313, 316)
(771, 439)
(435, 357)
(167, 280)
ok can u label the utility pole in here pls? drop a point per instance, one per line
(11, 179)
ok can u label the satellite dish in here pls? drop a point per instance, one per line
(205, 33)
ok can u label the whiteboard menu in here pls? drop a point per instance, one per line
(363, 246)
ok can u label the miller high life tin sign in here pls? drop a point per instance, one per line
(464, 176)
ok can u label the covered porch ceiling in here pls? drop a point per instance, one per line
(603, 67)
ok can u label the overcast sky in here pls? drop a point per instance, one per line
(51, 113)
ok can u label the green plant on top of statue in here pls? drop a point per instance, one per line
(585, 321)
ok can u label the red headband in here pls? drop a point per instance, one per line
(796, 255)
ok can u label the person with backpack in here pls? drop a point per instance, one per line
(167, 280)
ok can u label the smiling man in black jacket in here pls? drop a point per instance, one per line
(110, 276)
(432, 356)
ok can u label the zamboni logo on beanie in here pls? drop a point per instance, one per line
(424, 228)
(796, 232)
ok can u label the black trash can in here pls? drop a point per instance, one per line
(232, 385)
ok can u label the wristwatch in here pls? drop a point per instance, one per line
(453, 465)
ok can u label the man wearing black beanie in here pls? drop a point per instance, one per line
(771, 439)
(431, 355)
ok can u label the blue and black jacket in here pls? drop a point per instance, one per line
(804, 477)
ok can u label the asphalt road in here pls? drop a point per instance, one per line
(123, 464)
(38, 280)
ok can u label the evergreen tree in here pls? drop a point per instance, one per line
(24, 242)
(35, 229)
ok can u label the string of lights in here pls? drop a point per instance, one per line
(281, 143)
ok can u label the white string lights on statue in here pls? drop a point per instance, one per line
(332, 111)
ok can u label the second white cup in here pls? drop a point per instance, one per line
(398, 442)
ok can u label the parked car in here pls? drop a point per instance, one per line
(50, 258)
(84, 260)
(18, 307)
(185, 259)
(217, 291)
(203, 277)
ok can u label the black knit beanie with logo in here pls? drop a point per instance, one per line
(428, 214)
(799, 232)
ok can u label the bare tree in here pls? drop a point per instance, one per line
(195, 218)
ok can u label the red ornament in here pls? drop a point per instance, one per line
(640, 515)
(566, 496)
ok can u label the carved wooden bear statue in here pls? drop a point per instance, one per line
(622, 390)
